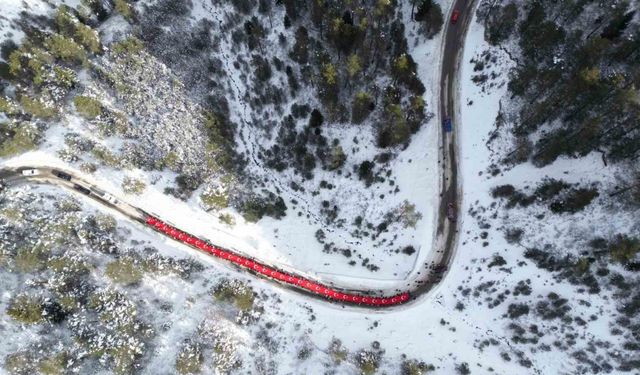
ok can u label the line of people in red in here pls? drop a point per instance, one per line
(271, 272)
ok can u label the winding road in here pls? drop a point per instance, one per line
(446, 234)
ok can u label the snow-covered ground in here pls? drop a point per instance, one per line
(290, 242)
(432, 330)
(464, 320)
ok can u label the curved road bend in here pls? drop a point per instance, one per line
(450, 191)
(446, 234)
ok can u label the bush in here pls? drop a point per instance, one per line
(64, 77)
(407, 215)
(88, 38)
(26, 309)
(66, 49)
(513, 235)
(133, 186)
(501, 23)
(516, 310)
(365, 172)
(430, 14)
(576, 200)
(503, 191)
(129, 46)
(413, 367)
(54, 364)
(28, 260)
(190, 359)
(368, 362)
(361, 107)
(123, 8)
(24, 139)
(300, 51)
(316, 119)
(623, 248)
(20, 363)
(88, 107)
(395, 130)
(463, 368)
(337, 351)
(124, 271)
(37, 108)
(215, 200)
(7, 106)
(550, 188)
(256, 208)
(337, 158)
(227, 219)
(236, 292)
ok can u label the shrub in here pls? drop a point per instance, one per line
(498, 261)
(24, 139)
(316, 119)
(54, 364)
(413, 367)
(105, 223)
(29, 62)
(64, 77)
(236, 292)
(88, 37)
(361, 107)
(20, 363)
(576, 200)
(407, 214)
(430, 14)
(365, 172)
(623, 248)
(66, 49)
(189, 359)
(28, 260)
(354, 65)
(37, 108)
(368, 362)
(550, 188)
(215, 200)
(124, 271)
(133, 186)
(463, 368)
(516, 310)
(337, 351)
(503, 191)
(26, 309)
(337, 157)
(501, 23)
(123, 8)
(395, 131)
(129, 46)
(107, 157)
(256, 208)
(513, 235)
(227, 219)
(7, 106)
(88, 107)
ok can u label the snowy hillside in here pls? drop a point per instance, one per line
(305, 134)
(205, 110)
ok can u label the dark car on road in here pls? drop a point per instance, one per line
(446, 124)
(82, 189)
(61, 175)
